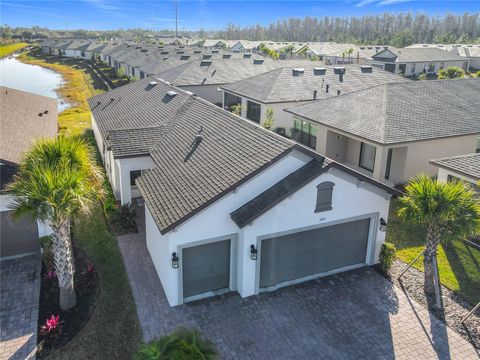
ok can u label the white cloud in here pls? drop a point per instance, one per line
(380, 2)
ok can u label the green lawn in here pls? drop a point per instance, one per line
(458, 263)
(7, 49)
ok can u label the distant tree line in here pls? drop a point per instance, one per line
(399, 30)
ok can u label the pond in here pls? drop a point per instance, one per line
(31, 78)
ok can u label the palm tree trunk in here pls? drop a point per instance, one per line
(64, 266)
(430, 256)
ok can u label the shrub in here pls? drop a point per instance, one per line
(387, 255)
(269, 119)
(236, 109)
(477, 74)
(423, 76)
(451, 72)
(123, 218)
(52, 326)
(182, 344)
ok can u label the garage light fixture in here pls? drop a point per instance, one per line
(383, 224)
(253, 252)
(174, 260)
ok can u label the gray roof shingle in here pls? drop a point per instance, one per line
(427, 55)
(468, 164)
(281, 85)
(401, 112)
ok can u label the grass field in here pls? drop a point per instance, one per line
(458, 263)
(80, 83)
(7, 49)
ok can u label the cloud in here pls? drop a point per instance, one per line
(107, 7)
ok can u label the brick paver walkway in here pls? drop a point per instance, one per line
(20, 291)
(355, 315)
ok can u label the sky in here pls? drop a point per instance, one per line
(196, 14)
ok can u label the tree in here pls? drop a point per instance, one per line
(451, 72)
(448, 210)
(269, 120)
(236, 109)
(57, 181)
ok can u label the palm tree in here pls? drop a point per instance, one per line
(448, 210)
(58, 180)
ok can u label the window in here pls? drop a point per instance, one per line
(442, 65)
(431, 68)
(367, 156)
(133, 175)
(253, 111)
(142, 75)
(324, 196)
(412, 68)
(304, 133)
(389, 163)
(83, 53)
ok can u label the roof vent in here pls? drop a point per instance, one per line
(258, 61)
(314, 94)
(339, 70)
(138, 47)
(366, 68)
(215, 51)
(206, 63)
(338, 92)
(152, 83)
(143, 50)
(172, 93)
(45, 112)
(319, 71)
(362, 47)
(164, 53)
(327, 87)
(227, 56)
(184, 57)
(40, 114)
(180, 52)
(197, 51)
(206, 56)
(247, 56)
(298, 71)
(165, 57)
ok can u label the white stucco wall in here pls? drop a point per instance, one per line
(123, 167)
(207, 92)
(444, 173)
(296, 212)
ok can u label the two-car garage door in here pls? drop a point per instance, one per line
(295, 256)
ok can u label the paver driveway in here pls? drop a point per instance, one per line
(355, 315)
(20, 291)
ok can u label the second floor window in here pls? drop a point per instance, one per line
(305, 133)
(134, 174)
(253, 111)
(367, 156)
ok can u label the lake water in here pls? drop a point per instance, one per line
(31, 78)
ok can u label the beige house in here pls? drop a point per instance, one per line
(391, 131)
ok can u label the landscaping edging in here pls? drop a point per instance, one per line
(455, 308)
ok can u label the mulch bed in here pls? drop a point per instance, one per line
(455, 308)
(74, 320)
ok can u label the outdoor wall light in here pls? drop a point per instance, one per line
(383, 224)
(174, 260)
(253, 252)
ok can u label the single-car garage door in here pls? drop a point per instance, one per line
(19, 236)
(311, 252)
(206, 268)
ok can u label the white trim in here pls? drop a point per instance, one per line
(232, 271)
(369, 254)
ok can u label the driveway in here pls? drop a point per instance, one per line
(20, 291)
(354, 315)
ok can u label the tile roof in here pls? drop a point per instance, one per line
(251, 210)
(281, 85)
(401, 112)
(20, 124)
(468, 164)
(200, 151)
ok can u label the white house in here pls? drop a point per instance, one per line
(415, 61)
(24, 117)
(462, 167)
(230, 206)
(391, 131)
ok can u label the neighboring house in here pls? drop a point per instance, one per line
(463, 167)
(332, 53)
(415, 61)
(289, 86)
(230, 206)
(391, 131)
(470, 52)
(203, 77)
(24, 117)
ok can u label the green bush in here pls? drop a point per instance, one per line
(182, 344)
(451, 72)
(123, 219)
(387, 255)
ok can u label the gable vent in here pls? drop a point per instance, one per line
(206, 63)
(172, 93)
(258, 61)
(319, 71)
(298, 71)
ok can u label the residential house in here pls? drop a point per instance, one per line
(333, 53)
(391, 131)
(230, 206)
(416, 61)
(462, 167)
(285, 87)
(24, 117)
(470, 52)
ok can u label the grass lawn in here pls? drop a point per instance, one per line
(113, 331)
(7, 49)
(80, 84)
(458, 263)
